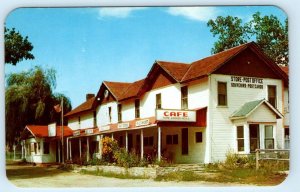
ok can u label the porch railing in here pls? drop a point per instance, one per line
(272, 155)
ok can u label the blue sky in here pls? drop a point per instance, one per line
(89, 45)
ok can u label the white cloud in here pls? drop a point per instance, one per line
(119, 12)
(202, 14)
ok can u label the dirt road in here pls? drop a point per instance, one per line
(34, 176)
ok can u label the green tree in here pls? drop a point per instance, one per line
(269, 33)
(29, 99)
(17, 47)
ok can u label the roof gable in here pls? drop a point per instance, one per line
(248, 108)
(174, 69)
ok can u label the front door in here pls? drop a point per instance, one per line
(184, 141)
(254, 137)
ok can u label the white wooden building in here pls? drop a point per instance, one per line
(236, 100)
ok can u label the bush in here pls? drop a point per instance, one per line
(234, 161)
(125, 159)
(109, 146)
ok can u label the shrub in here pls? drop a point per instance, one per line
(109, 146)
(125, 159)
(234, 161)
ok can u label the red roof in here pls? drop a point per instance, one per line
(87, 105)
(176, 70)
(117, 88)
(42, 130)
(285, 69)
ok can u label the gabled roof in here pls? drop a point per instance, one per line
(132, 90)
(117, 88)
(249, 107)
(209, 64)
(174, 69)
(285, 69)
(85, 106)
(42, 130)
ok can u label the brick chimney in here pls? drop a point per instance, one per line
(89, 95)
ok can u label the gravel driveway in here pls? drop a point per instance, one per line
(35, 176)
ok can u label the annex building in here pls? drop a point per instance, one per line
(236, 100)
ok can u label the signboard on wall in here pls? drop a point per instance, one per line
(247, 82)
(76, 133)
(142, 122)
(175, 115)
(104, 128)
(52, 130)
(123, 125)
(89, 131)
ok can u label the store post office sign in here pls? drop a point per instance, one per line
(175, 115)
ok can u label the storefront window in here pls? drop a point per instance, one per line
(222, 94)
(198, 136)
(240, 138)
(269, 139)
(172, 139)
(46, 148)
(148, 141)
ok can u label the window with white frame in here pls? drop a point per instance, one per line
(269, 138)
(272, 95)
(184, 97)
(222, 94)
(240, 138)
(158, 101)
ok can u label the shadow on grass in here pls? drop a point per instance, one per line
(27, 171)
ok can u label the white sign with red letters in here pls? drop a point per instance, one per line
(175, 115)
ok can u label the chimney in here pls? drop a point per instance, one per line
(89, 95)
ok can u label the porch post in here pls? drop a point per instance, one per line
(100, 146)
(58, 148)
(159, 143)
(126, 141)
(67, 148)
(142, 144)
(112, 136)
(25, 148)
(80, 148)
(70, 149)
(247, 138)
(87, 149)
(22, 144)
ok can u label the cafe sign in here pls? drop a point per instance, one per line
(176, 115)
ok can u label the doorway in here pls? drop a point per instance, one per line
(184, 141)
(254, 137)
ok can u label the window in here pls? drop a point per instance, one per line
(172, 139)
(240, 138)
(222, 94)
(286, 138)
(184, 97)
(35, 148)
(109, 114)
(46, 147)
(119, 112)
(95, 118)
(137, 108)
(148, 141)
(198, 137)
(158, 101)
(272, 95)
(79, 121)
(269, 139)
(32, 147)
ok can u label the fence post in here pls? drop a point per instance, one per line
(257, 158)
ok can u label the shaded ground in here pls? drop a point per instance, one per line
(35, 176)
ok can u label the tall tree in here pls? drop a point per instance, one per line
(29, 99)
(269, 33)
(17, 47)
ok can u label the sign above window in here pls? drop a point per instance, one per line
(89, 131)
(175, 115)
(247, 82)
(142, 122)
(76, 133)
(104, 128)
(123, 125)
